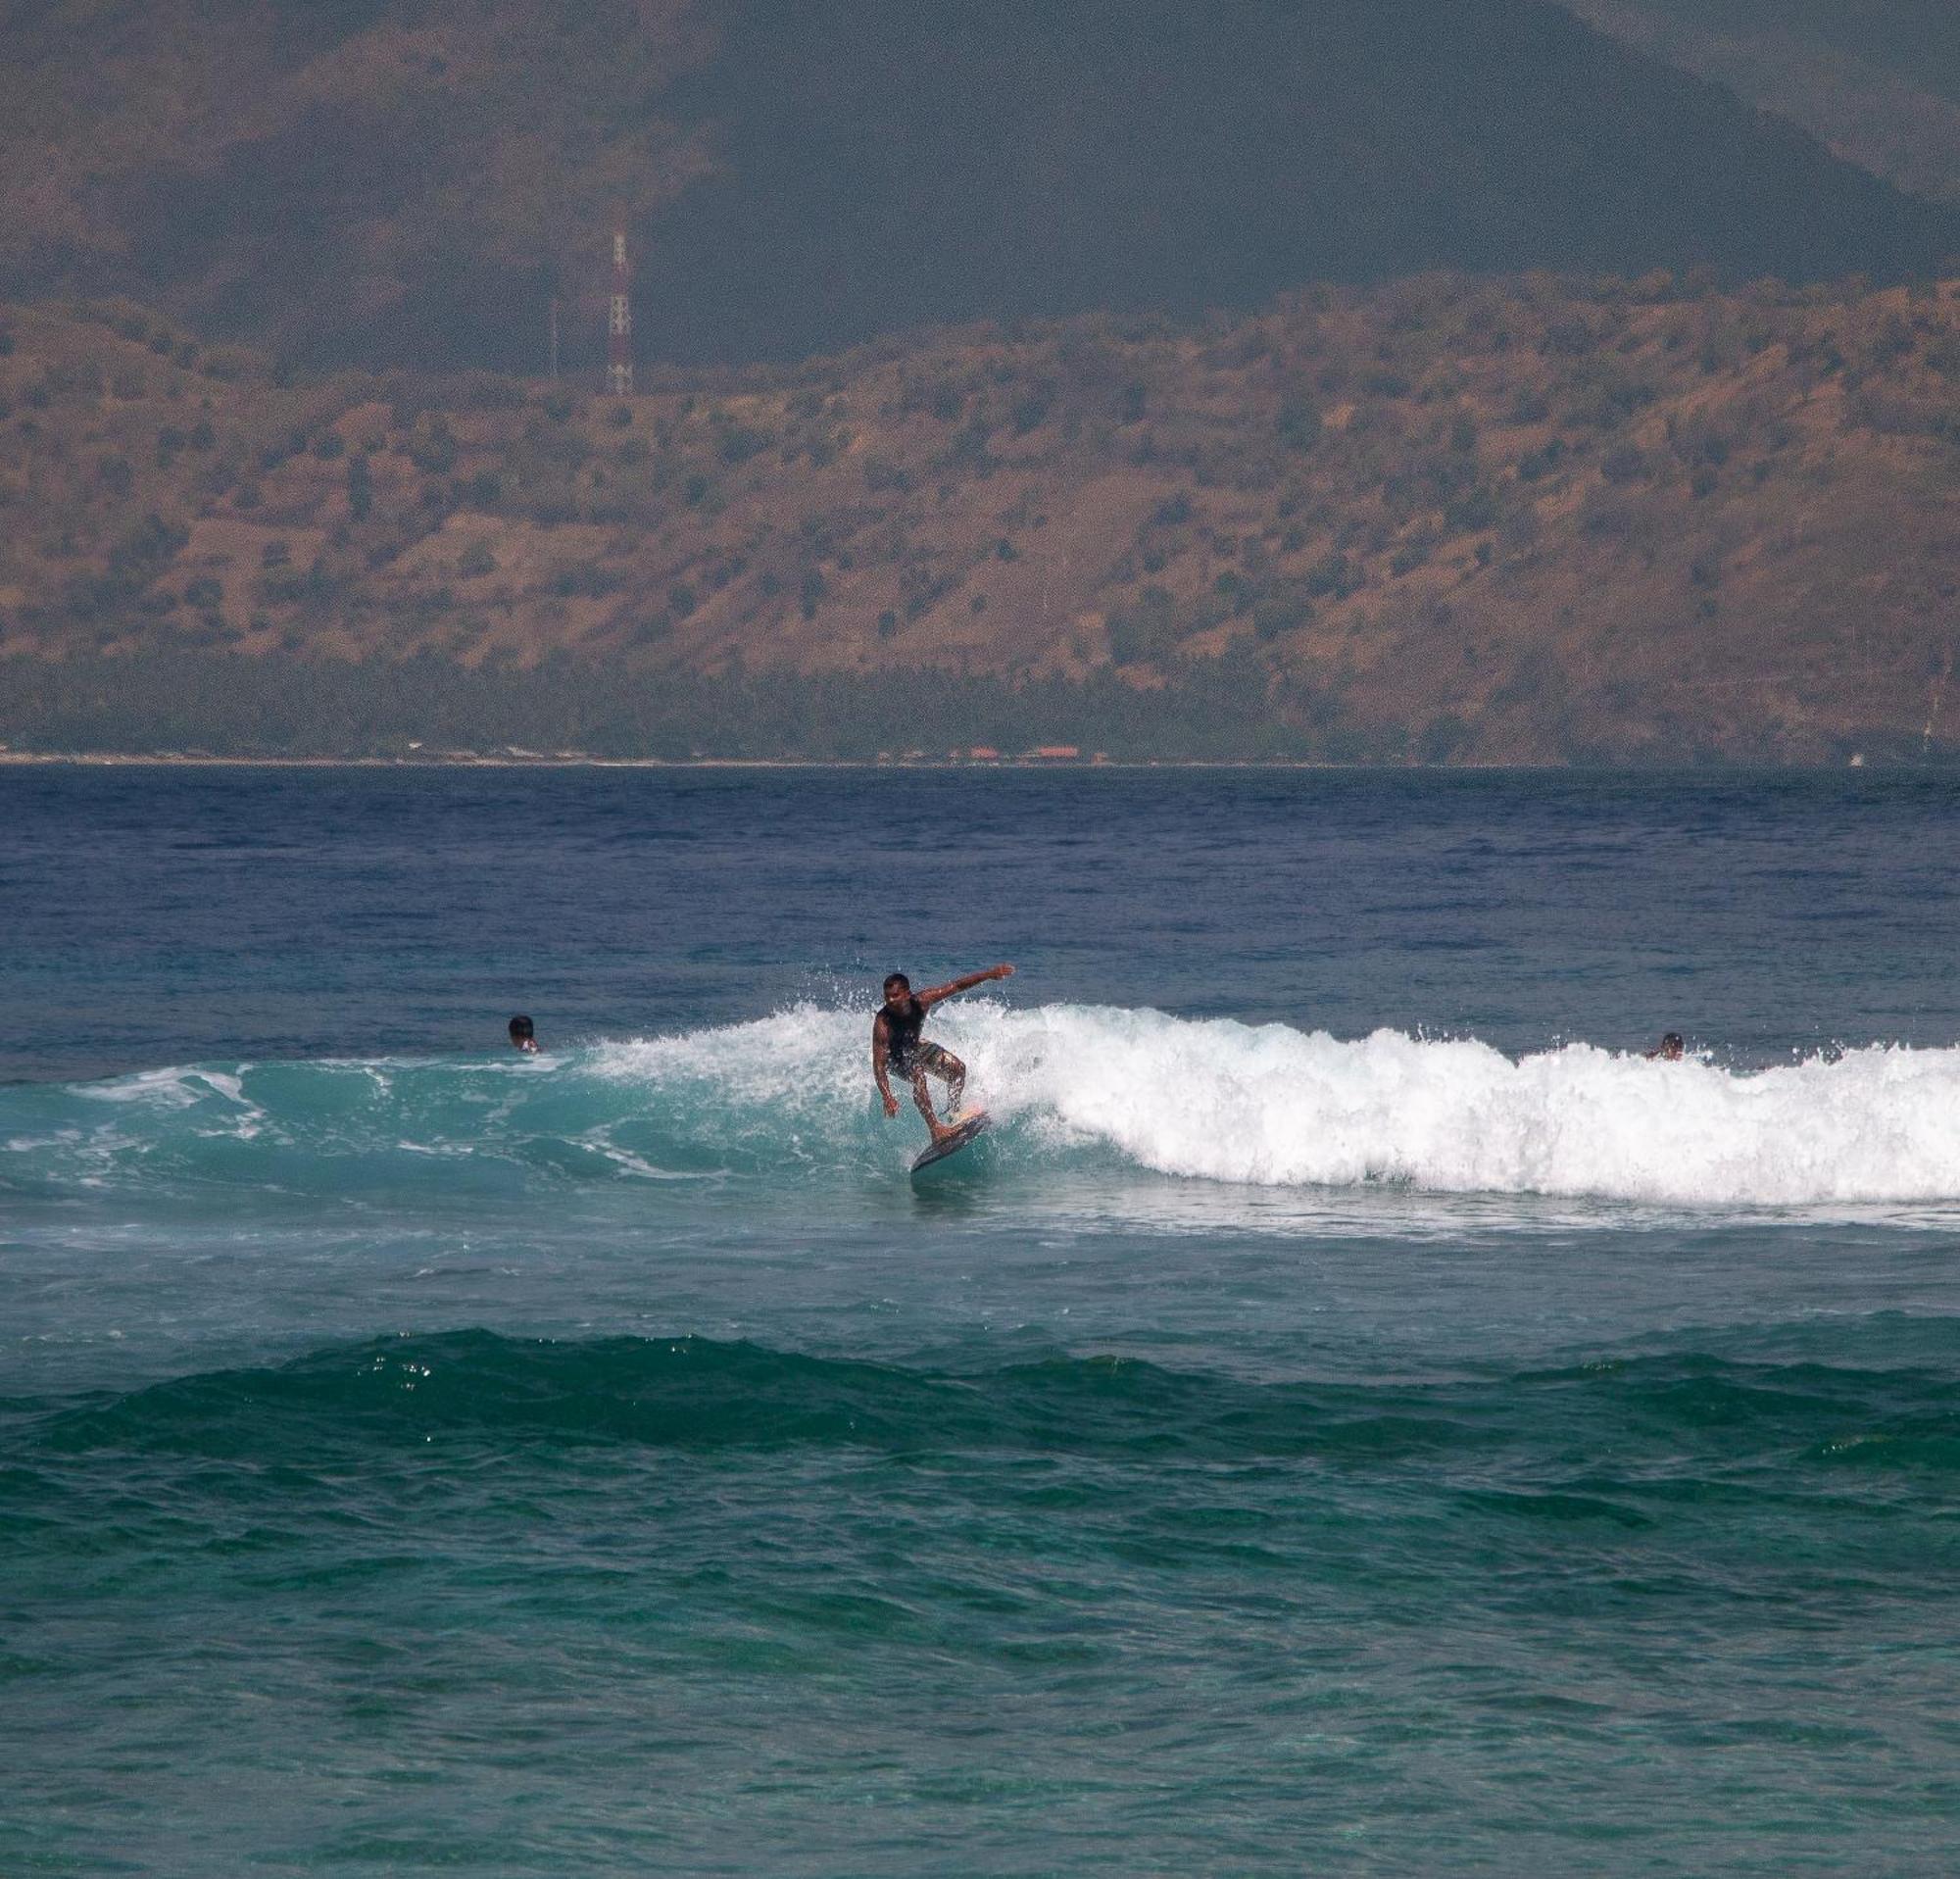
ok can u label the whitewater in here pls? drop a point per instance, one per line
(788, 1097)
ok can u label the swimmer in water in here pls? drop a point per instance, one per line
(1668, 1050)
(525, 1036)
(898, 1049)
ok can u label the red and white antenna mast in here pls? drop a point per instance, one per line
(620, 324)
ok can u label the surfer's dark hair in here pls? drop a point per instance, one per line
(1672, 1042)
(900, 980)
(521, 1026)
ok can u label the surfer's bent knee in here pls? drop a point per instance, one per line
(934, 1061)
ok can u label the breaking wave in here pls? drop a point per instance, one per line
(1212, 1100)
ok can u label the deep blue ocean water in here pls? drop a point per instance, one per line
(1354, 1413)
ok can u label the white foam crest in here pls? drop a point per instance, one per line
(1272, 1106)
(802, 1062)
(174, 1087)
(1207, 1100)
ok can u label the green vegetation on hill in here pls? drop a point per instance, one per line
(1451, 519)
(426, 708)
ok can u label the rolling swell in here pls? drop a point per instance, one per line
(788, 1099)
(1658, 1417)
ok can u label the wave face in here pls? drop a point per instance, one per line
(693, 1394)
(1073, 1086)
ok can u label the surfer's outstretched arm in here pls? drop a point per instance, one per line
(954, 987)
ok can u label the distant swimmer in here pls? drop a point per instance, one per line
(1668, 1050)
(898, 1049)
(523, 1036)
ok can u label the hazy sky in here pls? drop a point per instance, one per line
(1916, 40)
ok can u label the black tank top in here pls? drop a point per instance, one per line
(901, 1031)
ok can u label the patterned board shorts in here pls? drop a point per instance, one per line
(928, 1056)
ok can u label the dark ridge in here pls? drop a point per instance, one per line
(892, 163)
(882, 165)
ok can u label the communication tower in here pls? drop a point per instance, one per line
(619, 326)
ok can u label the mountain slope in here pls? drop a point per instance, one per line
(1877, 81)
(894, 162)
(1517, 520)
(402, 181)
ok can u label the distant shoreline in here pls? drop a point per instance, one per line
(178, 759)
(174, 760)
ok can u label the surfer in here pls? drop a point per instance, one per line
(898, 1049)
(1668, 1050)
(523, 1035)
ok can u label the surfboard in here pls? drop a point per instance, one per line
(965, 1126)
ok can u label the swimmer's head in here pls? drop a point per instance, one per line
(1671, 1048)
(523, 1033)
(897, 985)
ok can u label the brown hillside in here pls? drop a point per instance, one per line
(1474, 520)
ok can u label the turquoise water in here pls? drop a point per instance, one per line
(1353, 1413)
